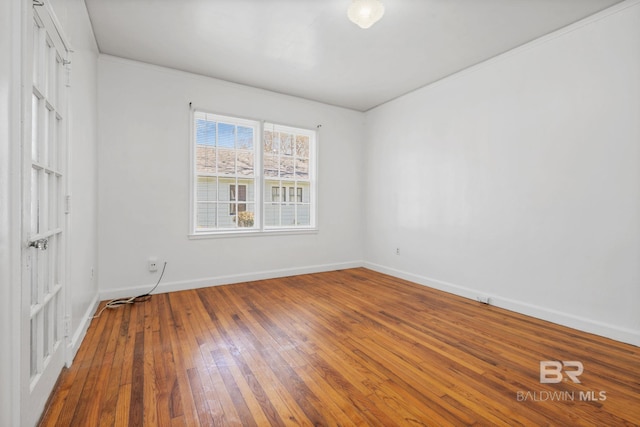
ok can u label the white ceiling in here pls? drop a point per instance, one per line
(309, 49)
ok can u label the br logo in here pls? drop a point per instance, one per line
(551, 371)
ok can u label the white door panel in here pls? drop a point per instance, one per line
(44, 154)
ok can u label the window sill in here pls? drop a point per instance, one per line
(253, 233)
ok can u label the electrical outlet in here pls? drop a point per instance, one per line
(483, 299)
(152, 264)
(397, 251)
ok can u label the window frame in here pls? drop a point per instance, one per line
(261, 192)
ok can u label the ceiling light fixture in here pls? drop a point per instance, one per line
(365, 13)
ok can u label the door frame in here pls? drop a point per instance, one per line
(12, 19)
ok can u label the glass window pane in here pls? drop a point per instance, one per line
(226, 161)
(246, 215)
(56, 324)
(205, 159)
(302, 146)
(227, 190)
(286, 144)
(59, 203)
(51, 74)
(53, 140)
(205, 132)
(206, 215)
(36, 53)
(272, 214)
(207, 190)
(34, 345)
(33, 253)
(304, 215)
(306, 192)
(54, 249)
(44, 273)
(245, 162)
(288, 213)
(242, 192)
(276, 142)
(251, 193)
(59, 129)
(46, 66)
(275, 193)
(61, 83)
(53, 82)
(271, 165)
(245, 138)
(46, 319)
(269, 145)
(286, 167)
(51, 267)
(35, 103)
(44, 138)
(53, 201)
(226, 135)
(302, 169)
(35, 201)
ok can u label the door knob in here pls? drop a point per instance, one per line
(41, 244)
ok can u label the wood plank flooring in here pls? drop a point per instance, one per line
(344, 348)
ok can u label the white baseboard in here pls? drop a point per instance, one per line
(81, 331)
(224, 280)
(614, 332)
(576, 322)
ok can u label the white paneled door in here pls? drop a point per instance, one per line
(44, 150)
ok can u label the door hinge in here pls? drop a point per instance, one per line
(67, 326)
(67, 204)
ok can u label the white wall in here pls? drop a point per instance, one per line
(82, 286)
(520, 179)
(144, 183)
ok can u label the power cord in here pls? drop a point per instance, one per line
(118, 302)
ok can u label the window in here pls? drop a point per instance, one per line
(240, 184)
(288, 175)
(225, 172)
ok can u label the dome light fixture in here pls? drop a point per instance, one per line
(365, 13)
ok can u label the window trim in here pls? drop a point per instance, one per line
(260, 188)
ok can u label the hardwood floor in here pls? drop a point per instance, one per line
(344, 348)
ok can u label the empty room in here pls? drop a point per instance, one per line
(319, 212)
